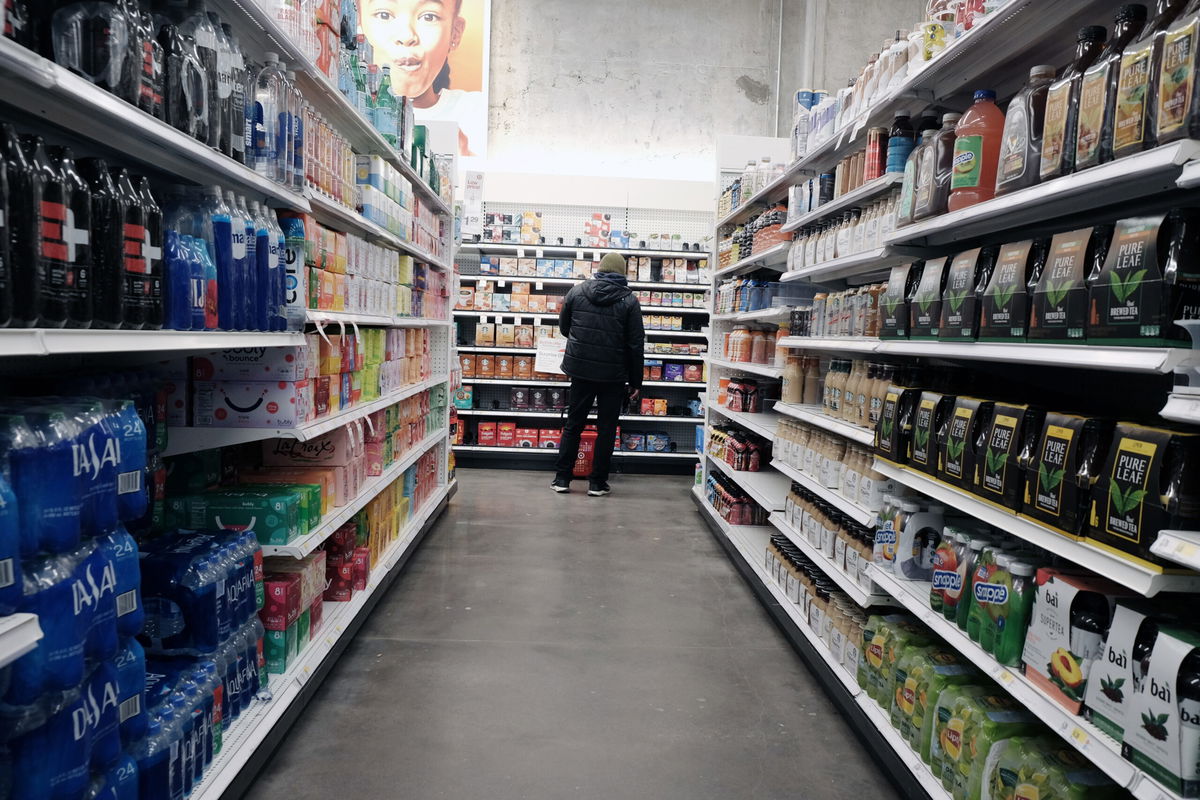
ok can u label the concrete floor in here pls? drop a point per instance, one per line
(542, 646)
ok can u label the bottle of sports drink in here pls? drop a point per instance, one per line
(177, 310)
(153, 253)
(218, 225)
(108, 244)
(202, 274)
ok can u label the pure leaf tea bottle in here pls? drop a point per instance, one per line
(1010, 433)
(1021, 143)
(893, 306)
(934, 171)
(965, 279)
(1176, 106)
(894, 430)
(1098, 91)
(925, 306)
(1004, 303)
(1059, 291)
(1149, 482)
(1142, 287)
(929, 422)
(1135, 113)
(1062, 105)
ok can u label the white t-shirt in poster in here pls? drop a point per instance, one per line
(468, 109)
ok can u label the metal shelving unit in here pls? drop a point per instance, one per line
(850, 508)
(816, 416)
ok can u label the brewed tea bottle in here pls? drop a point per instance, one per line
(1098, 91)
(1021, 144)
(1175, 103)
(1062, 105)
(108, 244)
(1135, 119)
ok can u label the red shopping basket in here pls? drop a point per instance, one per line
(587, 449)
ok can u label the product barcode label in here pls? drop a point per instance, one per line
(131, 707)
(7, 578)
(129, 482)
(127, 602)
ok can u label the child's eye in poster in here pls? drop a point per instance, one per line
(437, 52)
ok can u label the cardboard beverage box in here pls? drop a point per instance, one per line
(487, 434)
(925, 306)
(485, 335)
(960, 299)
(931, 413)
(1010, 436)
(506, 434)
(254, 364)
(504, 366)
(1160, 736)
(323, 479)
(467, 363)
(485, 366)
(251, 404)
(273, 515)
(526, 437)
(1150, 482)
(519, 398)
(1117, 673)
(1066, 632)
(958, 439)
(1005, 303)
(282, 601)
(893, 432)
(1061, 470)
(549, 438)
(506, 335)
(280, 648)
(338, 448)
(464, 397)
(523, 367)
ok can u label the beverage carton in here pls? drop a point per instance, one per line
(1061, 470)
(254, 364)
(251, 404)
(960, 298)
(1117, 674)
(1005, 300)
(893, 433)
(337, 448)
(282, 605)
(925, 306)
(980, 721)
(1009, 438)
(929, 418)
(957, 440)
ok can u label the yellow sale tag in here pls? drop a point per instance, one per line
(1080, 736)
(1005, 676)
(1186, 549)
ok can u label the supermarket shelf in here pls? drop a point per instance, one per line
(1182, 547)
(579, 253)
(558, 412)
(502, 281)
(62, 341)
(1182, 407)
(324, 317)
(465, 348)
(1117, 182)
(848, 507)
(767, 487)
(771, 258)
(265, 34)
(703, 332)
(471, 448)
(763, 424)
(514, 382)
(302, 547)
(855, 264)
(847, 584)
(1140, 578)
(773, 192)
(746, 547)
(542, 315)
(862, 194)
(765, 370)
(19, 633)
(814, 415)
(263, 721)
(190, 440)
(762, 315)
(837, 344)
(45, 90)
(1115, 359)
(1089, 740)
(333, 213)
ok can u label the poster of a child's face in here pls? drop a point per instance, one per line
(438, 52)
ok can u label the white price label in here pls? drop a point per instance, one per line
(501, 284)
(520, 252)
(596, 255)
(540, 254)
(538, 286)
(579, 255)
(1186, 549)
(1080, 736)
(1004, 676)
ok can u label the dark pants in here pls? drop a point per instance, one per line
(609, 398)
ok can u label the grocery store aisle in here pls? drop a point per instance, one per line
(550, 646)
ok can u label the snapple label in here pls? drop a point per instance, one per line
(1060, 295)
(960, 303)
(893, 304)
(1005, 302)
(925, 310)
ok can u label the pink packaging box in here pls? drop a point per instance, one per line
(375, 458)
(334, 449)
(362, 568)
(251, 404)
(254, 364)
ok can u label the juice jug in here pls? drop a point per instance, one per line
(1175, 102)
(913, 176)
(1098, 91)
(934, 171)
(976, 151)
(1062, 105)
(1021, 146)
(1135, 115)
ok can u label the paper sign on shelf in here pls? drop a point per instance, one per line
(579, 255)
(540, 254)
(472, 218)
(549, 356)
(596, 255)
(538, 286)
(520, 252)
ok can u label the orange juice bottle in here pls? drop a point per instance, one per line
(976, 152)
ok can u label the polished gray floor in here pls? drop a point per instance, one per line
(543, 647)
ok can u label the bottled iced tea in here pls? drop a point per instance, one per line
(1135, 114)
(1098, 91)
(1062, 105)
(1021, 145)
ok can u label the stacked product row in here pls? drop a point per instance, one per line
(637, 268)
(597, 231)
(843, 467)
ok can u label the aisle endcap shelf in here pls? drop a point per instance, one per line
(554, 413)
(767, 487)
(539, 282)
(577, 252)
(774, 257)
(65, 341)
(765, 370)
(762, 423)
(548, 451)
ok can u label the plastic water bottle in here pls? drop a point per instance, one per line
(265, 260)
(43, 480)
(296, 287)
(297, 112)
(131, 682)
(177, 310)
(53, 756)
(224, 93)
(57, 663)
(196, 24)
(10, 546)
(260, 632)
(237, 100)
(96, 586)
(18, 461)
(94, 455)
(219, 564)
(238, 234)
(131, 463)
(198, 274)
(203, 681)
(186, 726)
(122, 779)
(172, 728)
(152, 252)
(100, 696)
(287, 127)
(108, 243)
(219, 222)
(268, 111)
(25, 186)
(249, 279)
(123, 552)
(76, 237)
(135, 310)
(201, 736)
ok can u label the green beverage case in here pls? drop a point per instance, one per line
(926, 680)
(1045, 768)
(883, 640)
(978, 722)
(274, 516)
(903, 695)
(309, 495)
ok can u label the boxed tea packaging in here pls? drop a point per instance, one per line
(1059, 298)
(960, 301)
(893, 433)
(1160, 731)
(1062, 468)
(894, 305)
(1009, 435)
(1117, 673)
(931, 412)
(925, 305)
(956, 447)
(1004, 304)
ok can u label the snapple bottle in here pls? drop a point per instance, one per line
(976, 152)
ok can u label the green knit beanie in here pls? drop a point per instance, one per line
(612, 262)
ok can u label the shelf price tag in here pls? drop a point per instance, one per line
(1080, 736)
(579, 255)
(538, 286)
(540, 253)
(596, 256)
(1004, 676)
(520, 252)
(501, 284)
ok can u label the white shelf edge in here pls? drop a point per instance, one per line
(848, 585)
(511, 247)
(764, 424)
(847, 344)
(771, 257)
(868, 190)
(554, 413)
(767, 487)
(851, 509)
(64, 341)
(516, 382)
(19, 633)
(192, 439)
(340, 516)
(873, 260)
(251, 730)
(471, 448)
(817, 418)
(677, 287)
(1139, 578)
(317, 316)
(766, 370)
(761, 315)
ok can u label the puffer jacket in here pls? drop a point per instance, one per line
(602, 321)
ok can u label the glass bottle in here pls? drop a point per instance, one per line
(912, 177)
(1021, 144)
(1098, 90)
(1062, 105)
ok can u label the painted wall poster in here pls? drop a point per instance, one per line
(438, 54)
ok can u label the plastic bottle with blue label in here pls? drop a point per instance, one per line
(266, 260)
(201, 730)
(298, 156)
(122, 779)
(17, 459)
(131, 682)
(242, 321)
(44, 480)
(101, 699)
(131, 466)
(296, 288)
(916, 543)
(185, 725)
(153, 757)
(95, 453)
(173, 734)
(268, 94)
(179, 592)
(10, 547)
(204, 681)
(123, 552)
(220, 224)
(96, 587)
(54, 755)
(901, 141)
(177, 310)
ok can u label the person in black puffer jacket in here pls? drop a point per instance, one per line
(602, 321)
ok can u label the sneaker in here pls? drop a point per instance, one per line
(598, 489)
(561, 486)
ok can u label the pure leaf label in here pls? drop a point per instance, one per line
(887, 423)
(1132, 87)
(1175, 77)
(996, 455)
(1128, 487)
(1005, 303)
(1052, 468)
(1090, 120)
(922, 430)
(927, 301)
(958, 314)
(895, 314)
(1054, 129)
(1131, 265)
(956, 441)
(1060, 298)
